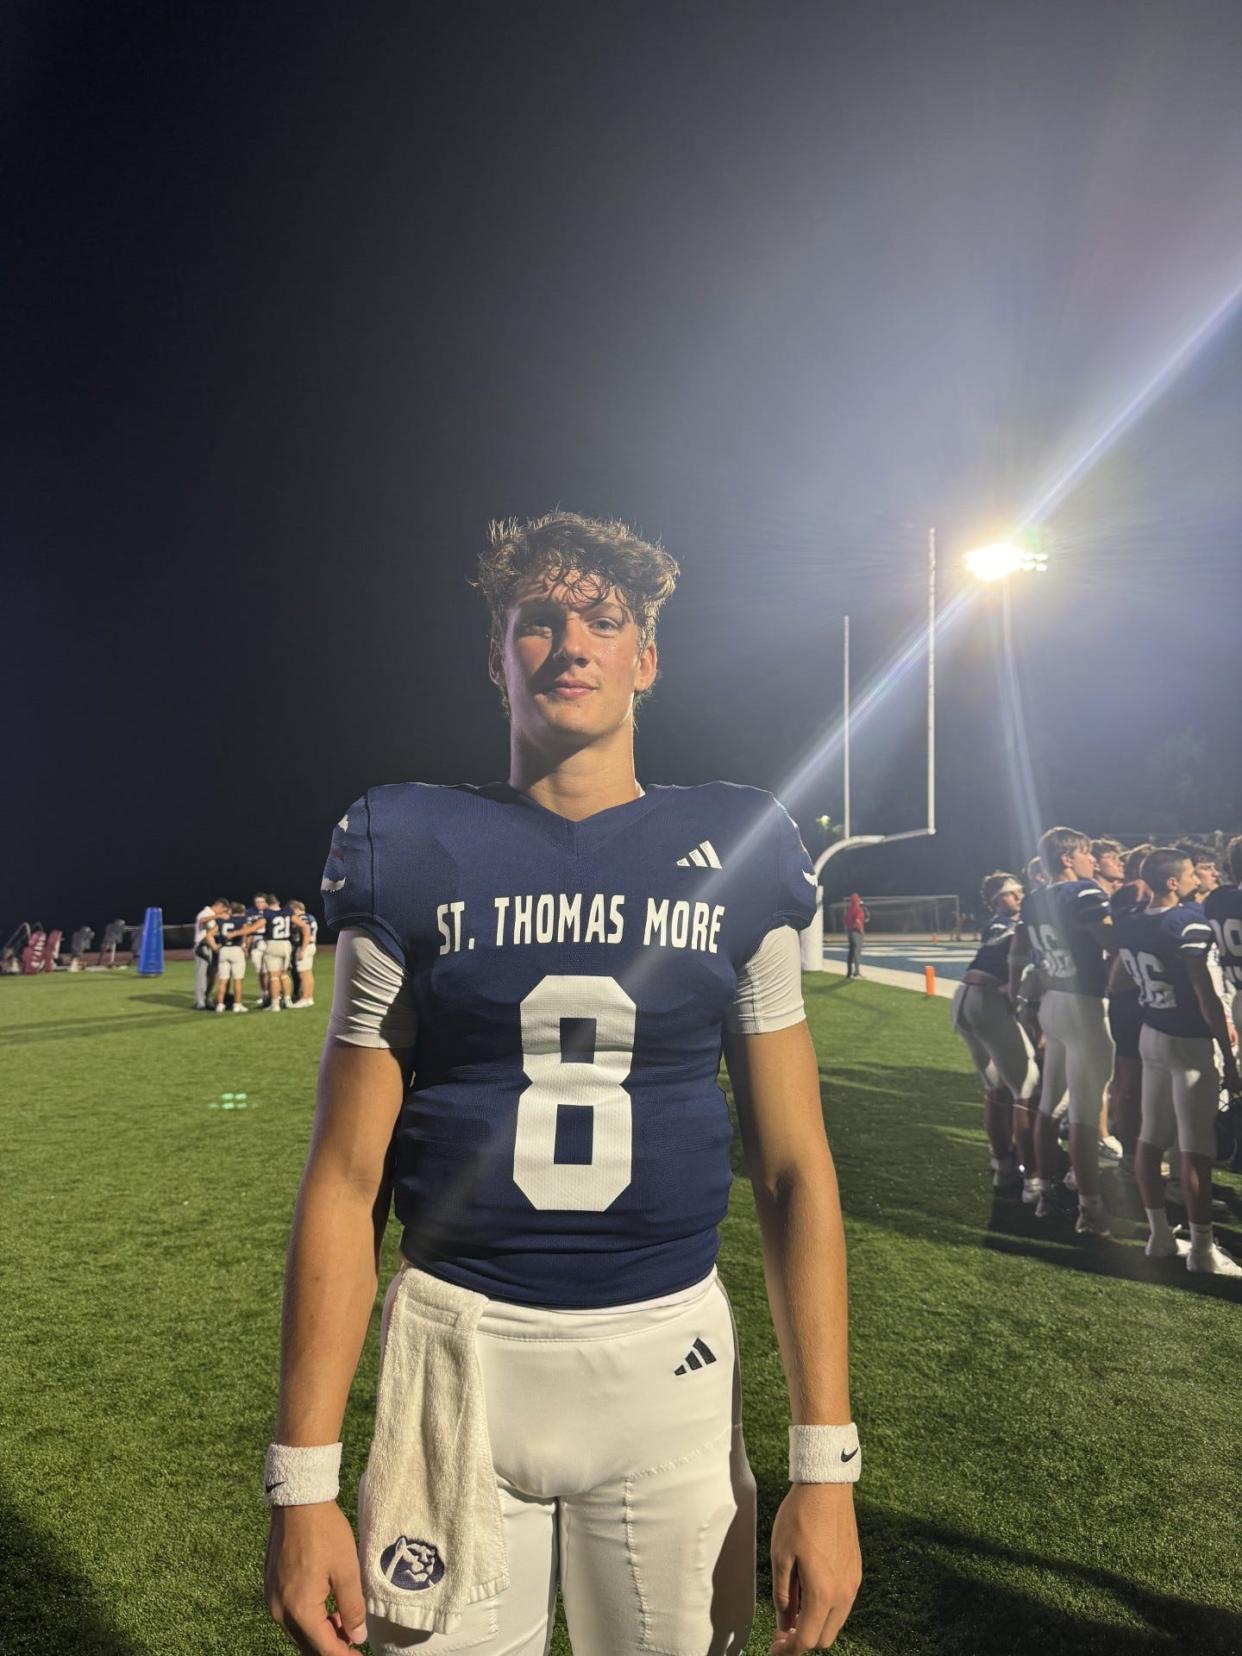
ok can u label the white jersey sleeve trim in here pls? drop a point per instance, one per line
(372, 1005)
(769, 986)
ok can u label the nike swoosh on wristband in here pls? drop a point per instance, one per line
(849, 1457)
(269, 1487)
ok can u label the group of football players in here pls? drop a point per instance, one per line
(1097, 999)
(277, 939)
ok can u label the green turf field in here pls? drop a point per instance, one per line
(1050, 1429)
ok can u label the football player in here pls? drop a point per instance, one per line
(1065, 924)
(1223, 909)
(1164, 947)
(258, 941)
(534, 980)
(1208, 880)
(307, 929)
(228, 937)
(984, 1017)
(277, 948)
(1110, 876)
(1125, 1020)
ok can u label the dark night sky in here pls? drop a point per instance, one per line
(296, 298)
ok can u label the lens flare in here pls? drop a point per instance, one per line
(1132, 410)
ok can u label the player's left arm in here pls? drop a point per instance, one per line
(816, 1566)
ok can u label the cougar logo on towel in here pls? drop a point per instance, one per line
(412, 1565)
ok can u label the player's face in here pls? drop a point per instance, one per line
(1111, 867)
(1009, 902)
(1080, 863)
(1207, 877)
(571, 662)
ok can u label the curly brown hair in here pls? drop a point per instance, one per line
(592, 556)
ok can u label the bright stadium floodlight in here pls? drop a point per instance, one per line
(1004, 558)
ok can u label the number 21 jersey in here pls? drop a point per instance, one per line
(564, 1141)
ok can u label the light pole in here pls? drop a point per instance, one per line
(995, 564)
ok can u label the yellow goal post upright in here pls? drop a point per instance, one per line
(813, 935)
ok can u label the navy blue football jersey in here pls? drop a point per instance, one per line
(253, 914)
(564, 1141)
(1154, 945)
(228, 929)
(994, 945)
(1056, 918)
(278, 924)
(312, 927)
(1223, 908)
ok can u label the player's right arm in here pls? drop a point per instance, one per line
(330, 1286)
(1214, 1016)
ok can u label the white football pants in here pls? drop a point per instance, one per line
(617, 1441)
(996, 1041)
(1181, 1089)
(1078, 1054)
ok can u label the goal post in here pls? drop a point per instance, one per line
(812, 937)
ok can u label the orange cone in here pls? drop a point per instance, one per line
(929, 979)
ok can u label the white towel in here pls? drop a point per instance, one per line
(431, 1539)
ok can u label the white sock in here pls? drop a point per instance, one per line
(1201, 1239)
(1158, 1219)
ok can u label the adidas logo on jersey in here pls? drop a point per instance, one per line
(698, 1356)
(703, 856)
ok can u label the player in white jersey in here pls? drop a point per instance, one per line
(546, 1136)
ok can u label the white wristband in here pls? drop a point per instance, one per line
(824, 1454)
(300, 1477)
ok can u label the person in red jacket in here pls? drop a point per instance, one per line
(856, 917)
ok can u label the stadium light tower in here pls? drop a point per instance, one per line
(997, 564)
(1000, 561)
